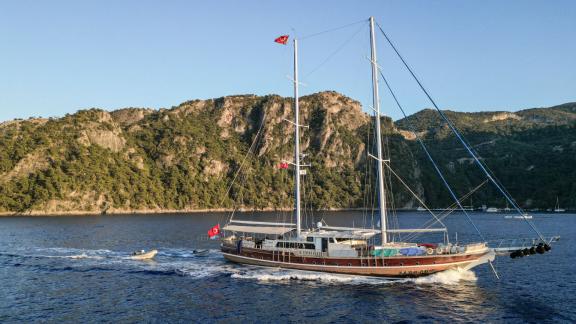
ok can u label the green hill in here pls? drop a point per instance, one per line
(185, 157)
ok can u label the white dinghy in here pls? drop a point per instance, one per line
(143, 255)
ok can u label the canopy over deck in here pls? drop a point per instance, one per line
(258, 229)
(369, 230)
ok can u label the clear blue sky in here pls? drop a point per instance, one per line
(60, 56)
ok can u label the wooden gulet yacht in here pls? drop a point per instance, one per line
(349, 250)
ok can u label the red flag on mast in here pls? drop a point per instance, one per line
(283, 165)
(282, 39)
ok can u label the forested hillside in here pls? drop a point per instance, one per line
(185, 157)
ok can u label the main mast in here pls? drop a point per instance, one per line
(376, 106)
(296, 143)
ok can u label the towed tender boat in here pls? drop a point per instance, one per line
(382, 250)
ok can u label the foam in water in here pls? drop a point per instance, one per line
(448, 277)
(82, 256)
(286, 276)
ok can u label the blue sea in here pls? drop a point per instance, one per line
(76, 269)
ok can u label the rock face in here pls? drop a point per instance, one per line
(103, 131)
(186, 157)
(502, 116)
(129, 116)
(104, 138)
(33, 162)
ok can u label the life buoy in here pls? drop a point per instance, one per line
(438, 250)
(429, 251)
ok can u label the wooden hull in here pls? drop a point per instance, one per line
(397, 267)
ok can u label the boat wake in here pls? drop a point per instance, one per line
(80, 256)
(68, 253)
(192, 263)
(448, 277)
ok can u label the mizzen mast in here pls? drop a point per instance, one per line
(376, 106)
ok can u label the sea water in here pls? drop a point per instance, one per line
(78, 269)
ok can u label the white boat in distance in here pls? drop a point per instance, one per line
(557, 209)
(525, 216)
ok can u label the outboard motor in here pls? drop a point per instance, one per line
(547, 247)
(540, 248)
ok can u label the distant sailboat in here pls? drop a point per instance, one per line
(557, 209)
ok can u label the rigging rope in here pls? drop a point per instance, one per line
(450, 209)
(413, 193)
(430, 157)
(338, 49)
(331, 30)
(461, 139)
(256, 139)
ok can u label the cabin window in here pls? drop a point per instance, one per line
(295, 245)
(310, 239)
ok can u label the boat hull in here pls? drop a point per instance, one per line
(395, 267)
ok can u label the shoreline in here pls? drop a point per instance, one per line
(137, 212)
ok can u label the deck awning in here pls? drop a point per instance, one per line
(258, 229)
(417, 230)
(374, 231)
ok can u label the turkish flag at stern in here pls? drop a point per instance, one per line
(214, 231)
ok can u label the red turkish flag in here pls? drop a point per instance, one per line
(214, 231)
(284, 165)
(282, 39)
